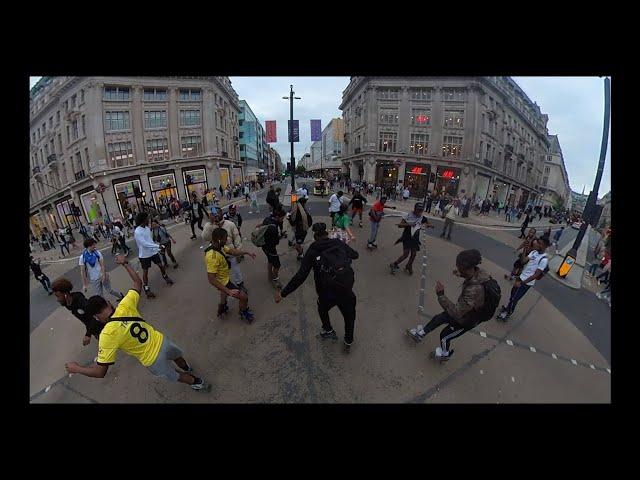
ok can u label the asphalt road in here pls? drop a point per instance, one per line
(589, 315)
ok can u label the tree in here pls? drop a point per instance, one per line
(300, 169)
(559, 204)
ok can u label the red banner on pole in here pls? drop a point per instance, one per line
(270, 127)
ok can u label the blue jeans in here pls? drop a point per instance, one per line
(592, 268)
(516, 294)
(374, 231)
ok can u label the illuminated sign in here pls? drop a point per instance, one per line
(417, 170)
(422, 119)
(447, 174)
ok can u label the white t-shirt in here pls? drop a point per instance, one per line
(335, 203)
(406, 193)
(537, 261)
(116, 231)
(92, 272)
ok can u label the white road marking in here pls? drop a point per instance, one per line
(420, 307)
(574, 362)
(592, 367)
(47, 389)
(481, 372)
(424, 264)
(609, 371)
(554, 356)
(510, 343)
(483, 334)
(532, 349)
(513, 379)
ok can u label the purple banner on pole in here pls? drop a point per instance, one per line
(316, 131)
(296, 130)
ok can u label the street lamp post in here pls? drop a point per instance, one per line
(589, 209)
(293, 161)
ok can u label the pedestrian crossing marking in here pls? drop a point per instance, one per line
(533, 349)
(574, 362)
(554, 356)
(483, 334)
(510, 343)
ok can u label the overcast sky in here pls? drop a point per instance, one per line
(574, 105)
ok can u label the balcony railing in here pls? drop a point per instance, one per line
(80, 175)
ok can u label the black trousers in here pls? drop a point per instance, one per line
(448, 333)
(347, 306)
(195, 220)
(46, 283)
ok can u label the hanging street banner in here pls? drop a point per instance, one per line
(270, 127)
(296, 130)
(316, 131)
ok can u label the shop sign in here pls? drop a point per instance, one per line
(447, 174)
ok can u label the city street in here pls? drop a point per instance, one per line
(555, 348)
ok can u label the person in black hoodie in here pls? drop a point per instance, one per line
(357, 202)
(272, 197)
(197, 214)
(330, 260)
(301, 220)
(271, 239)
(525, 224)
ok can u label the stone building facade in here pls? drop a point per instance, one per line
(481, 136)
(160, 136)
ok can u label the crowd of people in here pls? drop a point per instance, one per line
(329, 255)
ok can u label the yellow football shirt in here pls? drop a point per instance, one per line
(134, 337)
(217, 264)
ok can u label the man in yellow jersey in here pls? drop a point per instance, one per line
(218, 273)
(126, 330)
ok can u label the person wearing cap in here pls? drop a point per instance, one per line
(411, 223)
(234, 242)
(210, 226)
(234, 216)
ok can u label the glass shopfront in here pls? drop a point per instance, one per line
(224, 177)
(92, 208)
(386, 174)
(237, 175)
(482, 186)
(416, 178)
(65, 212)
(195, 180)
(163, 187)
(124, 191)
(500, 191)
(447, 180)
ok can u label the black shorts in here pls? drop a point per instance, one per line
(232, 286)
(145, 263)
(300, 237)
(272, 255)
(411, 244)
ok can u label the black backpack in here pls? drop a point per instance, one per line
(336, 273)
(492, 295)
